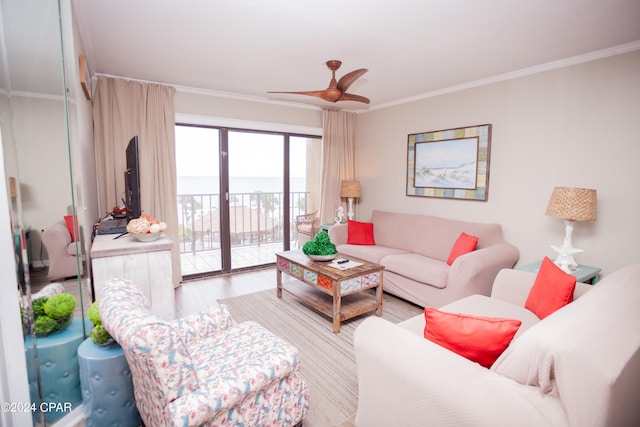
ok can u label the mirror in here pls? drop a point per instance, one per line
(38, 120)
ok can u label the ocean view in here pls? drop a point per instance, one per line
(209, 185)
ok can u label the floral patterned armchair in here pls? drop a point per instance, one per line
(203, 369)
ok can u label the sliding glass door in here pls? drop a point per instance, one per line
(239, 192)
(198, 173)
(256, 197)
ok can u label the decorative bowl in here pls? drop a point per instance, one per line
(322, 257)
(148, 237)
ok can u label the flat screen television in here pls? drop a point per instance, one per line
(132, 181)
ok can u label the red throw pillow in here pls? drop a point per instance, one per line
(360, 233)
(464, 244)
(552, 289)
(478, 338)
(69, 220)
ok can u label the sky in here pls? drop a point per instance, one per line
(250, 154)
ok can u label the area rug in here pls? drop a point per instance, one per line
(328, 359)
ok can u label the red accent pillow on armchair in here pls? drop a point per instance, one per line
(480, 339)
(552, 289)
(68, 219)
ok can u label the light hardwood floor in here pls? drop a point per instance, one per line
(196, 295)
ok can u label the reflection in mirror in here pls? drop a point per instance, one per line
(37, 121)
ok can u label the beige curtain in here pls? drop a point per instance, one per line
(339, 160)
(122, 109)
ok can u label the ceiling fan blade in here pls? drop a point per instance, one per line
(352, 97)
(337, 91)
(331, 95)
(349, 78)
(319, 93)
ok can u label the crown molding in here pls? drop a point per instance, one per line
(219, 94)
(36, 95)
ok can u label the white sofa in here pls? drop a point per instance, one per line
(414, 250)
(580, 366)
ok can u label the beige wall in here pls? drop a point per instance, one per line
(42, 165)
(575, 126)
(191, 103)
(43, 158)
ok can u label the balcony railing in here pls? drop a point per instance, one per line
(254, 219)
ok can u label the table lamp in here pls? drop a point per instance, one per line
(571, 204)
(351, 190)
(13, 187)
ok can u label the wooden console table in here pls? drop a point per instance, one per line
(147, 264)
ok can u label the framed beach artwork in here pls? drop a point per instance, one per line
(450, 164)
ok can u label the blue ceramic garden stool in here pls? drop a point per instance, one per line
(57, 356)
(107, 388)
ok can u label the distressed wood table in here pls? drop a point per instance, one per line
(336, 293)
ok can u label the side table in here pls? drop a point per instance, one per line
(584, 273)
(107, 387)
(326, 227)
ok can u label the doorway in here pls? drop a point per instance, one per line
(239, 192)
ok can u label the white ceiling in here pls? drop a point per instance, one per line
(412, 48)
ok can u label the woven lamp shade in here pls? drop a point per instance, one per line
(573, 204)
(12, 187)
(350, 189)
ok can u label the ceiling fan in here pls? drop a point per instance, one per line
(337, 90)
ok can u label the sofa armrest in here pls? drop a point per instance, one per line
(474, 273)
(339, 234)
(513, 286)
(204, 324)
(407, 380)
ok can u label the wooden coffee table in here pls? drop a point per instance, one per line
(333, 292)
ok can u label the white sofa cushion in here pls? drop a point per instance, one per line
(419, 268)
(581, 353)
(371, 253)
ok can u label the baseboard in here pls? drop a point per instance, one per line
(75, 418)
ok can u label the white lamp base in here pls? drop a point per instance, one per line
(566, 252)
(350, 211)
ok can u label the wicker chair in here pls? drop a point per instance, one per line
(205, 369)
(307, 226)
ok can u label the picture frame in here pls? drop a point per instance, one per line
(85, 77)
(450, 164)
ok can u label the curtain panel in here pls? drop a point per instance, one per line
(121, 110)
(339, 160)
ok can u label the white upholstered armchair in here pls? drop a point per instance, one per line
(62, 252)
(203, 369)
